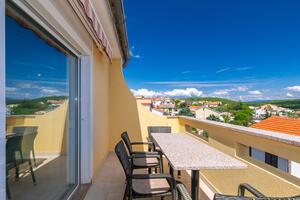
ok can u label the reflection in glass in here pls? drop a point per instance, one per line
(42, 113)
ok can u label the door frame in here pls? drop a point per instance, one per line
(2, 101)
(83, 51)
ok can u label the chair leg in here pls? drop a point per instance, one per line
(179, 173)
(17, 171)
(130, 194)
(31, 172)
(33, 155)
(162, 163)
(8, 193)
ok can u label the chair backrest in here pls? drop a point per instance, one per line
(28, 144)
(13, 145)
(127, 142)
(124, 159)
(159, 129)
(24, 130)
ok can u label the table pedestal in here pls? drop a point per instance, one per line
(195, 184)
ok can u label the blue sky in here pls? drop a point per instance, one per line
(238, 49)
(246, 50)
(33, 68)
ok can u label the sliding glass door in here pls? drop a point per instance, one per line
(42, 112)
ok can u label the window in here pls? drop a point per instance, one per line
(270, 159)
(42, 132)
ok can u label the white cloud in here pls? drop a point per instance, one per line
(223, 70)
(186, 72)
(227, 91)
(50, 91)
(289, 94)
(145, 93)
(243, 68)
(255, 92)
(295, 88)
(132, 54)
(27, 86)
(241, 88)
(220, 92)
(188, 92)
(10, 89)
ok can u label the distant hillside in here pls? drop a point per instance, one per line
(41, 99)
(223, 100)
(31, 106)
(292, 104)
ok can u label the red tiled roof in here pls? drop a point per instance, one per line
(146, 104)
(285, 125)
(195, 107)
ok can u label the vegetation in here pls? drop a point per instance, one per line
(186, 112)
(242, 114)
(30, 106)
(214, 118)
(292, 104)
(193, 99)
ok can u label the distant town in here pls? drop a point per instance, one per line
(222, 110)
(210, 108)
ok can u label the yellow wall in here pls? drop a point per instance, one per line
(100, 73)
(267, 179)
(123, 110)
(128, 115)
(51, 129)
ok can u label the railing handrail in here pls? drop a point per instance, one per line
(275, 136)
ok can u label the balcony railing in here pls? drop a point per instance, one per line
(239, 142)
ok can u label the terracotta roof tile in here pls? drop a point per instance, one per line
(285, 125)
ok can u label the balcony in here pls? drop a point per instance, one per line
(230, 139)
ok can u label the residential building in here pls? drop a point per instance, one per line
(193, 109)
(282, 125)
(210, 103)
(203, 113)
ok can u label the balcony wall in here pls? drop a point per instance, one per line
(128, 115)
(51, 137)
(235, 141)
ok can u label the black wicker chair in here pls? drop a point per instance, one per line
(143, 185)
(182, 193)
(29, 133)
(14, 146)
(142, 159)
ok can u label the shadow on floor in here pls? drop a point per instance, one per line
(51, 180)
(109, 182)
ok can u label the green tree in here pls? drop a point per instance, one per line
(186, 112)
(226, 118)
(242, 117)
(183, 105)
(213, 118)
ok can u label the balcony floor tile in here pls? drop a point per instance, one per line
(109, 182)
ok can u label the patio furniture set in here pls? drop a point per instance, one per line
(182, 153)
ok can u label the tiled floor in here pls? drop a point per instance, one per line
(51, 177)
(109, 182)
